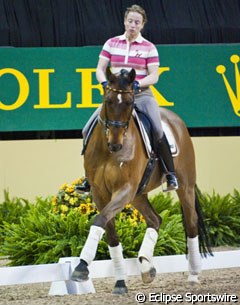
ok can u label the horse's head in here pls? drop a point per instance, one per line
(118, 106)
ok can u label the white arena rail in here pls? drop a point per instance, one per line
(59, 274)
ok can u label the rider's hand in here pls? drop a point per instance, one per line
(104, 84)
(136, 86)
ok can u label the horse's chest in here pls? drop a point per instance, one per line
(114, 168)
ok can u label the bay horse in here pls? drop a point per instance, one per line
(115, 160)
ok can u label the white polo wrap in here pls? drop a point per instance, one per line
(148, 244)
(194, 257)
(118, 262)
(90, 248)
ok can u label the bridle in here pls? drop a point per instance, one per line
(117, 124)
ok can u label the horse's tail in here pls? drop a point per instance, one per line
(204, 243)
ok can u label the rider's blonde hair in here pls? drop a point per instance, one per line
(136, 9)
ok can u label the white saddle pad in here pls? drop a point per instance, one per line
(168, 132)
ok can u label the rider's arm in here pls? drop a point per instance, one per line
(101, 70)
(151, 78)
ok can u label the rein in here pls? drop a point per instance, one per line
(117, 124)
(119, 90)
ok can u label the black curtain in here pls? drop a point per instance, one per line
(65, 23)
(62, 23)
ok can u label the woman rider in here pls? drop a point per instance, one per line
(128, 51)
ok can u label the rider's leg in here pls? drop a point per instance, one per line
(89, 123)
(86, 132)
(165, 157)
(147, 103)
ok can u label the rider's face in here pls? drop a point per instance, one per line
(133, 24)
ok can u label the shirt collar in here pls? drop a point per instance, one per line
(139, 39)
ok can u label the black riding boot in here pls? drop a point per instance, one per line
(165, 156)
(84, 187)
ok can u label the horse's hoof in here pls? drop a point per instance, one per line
(80, 274)
(120, 288)
(148, 277)
(193, 279)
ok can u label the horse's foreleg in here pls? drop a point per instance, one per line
(115, 251)
(88, 253)
(116, 204)
(145, 254)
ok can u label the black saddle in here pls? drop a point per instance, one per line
(146, 123)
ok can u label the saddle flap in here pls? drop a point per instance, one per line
(171, 140)
(144, 134)
(146, 140)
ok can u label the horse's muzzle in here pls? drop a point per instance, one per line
(114, 147)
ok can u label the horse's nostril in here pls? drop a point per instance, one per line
(114, 147)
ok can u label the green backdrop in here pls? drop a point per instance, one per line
(56, 88)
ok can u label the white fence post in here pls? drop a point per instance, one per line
(68, 286)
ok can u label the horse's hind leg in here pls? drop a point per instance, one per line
(115, 251)
(145, 254)
(190, 218)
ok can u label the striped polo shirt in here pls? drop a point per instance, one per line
(139, 55)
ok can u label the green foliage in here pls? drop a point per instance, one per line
(11, 211)
(58, 226)
(48, 232)
(222, 216)
(164, 201)
(43, 236)
(171, 239)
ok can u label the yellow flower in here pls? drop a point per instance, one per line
(67, 197)
(135, 213)
(54, 200)
(72, 201)
(64, 208)
(83, 208)
(135, 218)
(122, 215)
(128, 206)
(63, 186)
(70, 189)
(55, 210)
(133, 221)
(88, 200)
(90, 207)
(77, 181)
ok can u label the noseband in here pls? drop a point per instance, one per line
(117, 124)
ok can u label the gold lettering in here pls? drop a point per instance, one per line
(23, 89)
(87, 87)
(158, 96)
(44, 91)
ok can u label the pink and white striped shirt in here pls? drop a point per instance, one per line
(139, 54)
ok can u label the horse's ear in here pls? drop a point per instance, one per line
(110, 76)
(131, 76)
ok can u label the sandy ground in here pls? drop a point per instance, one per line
(213, 282)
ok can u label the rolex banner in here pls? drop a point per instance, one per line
(56, 88)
